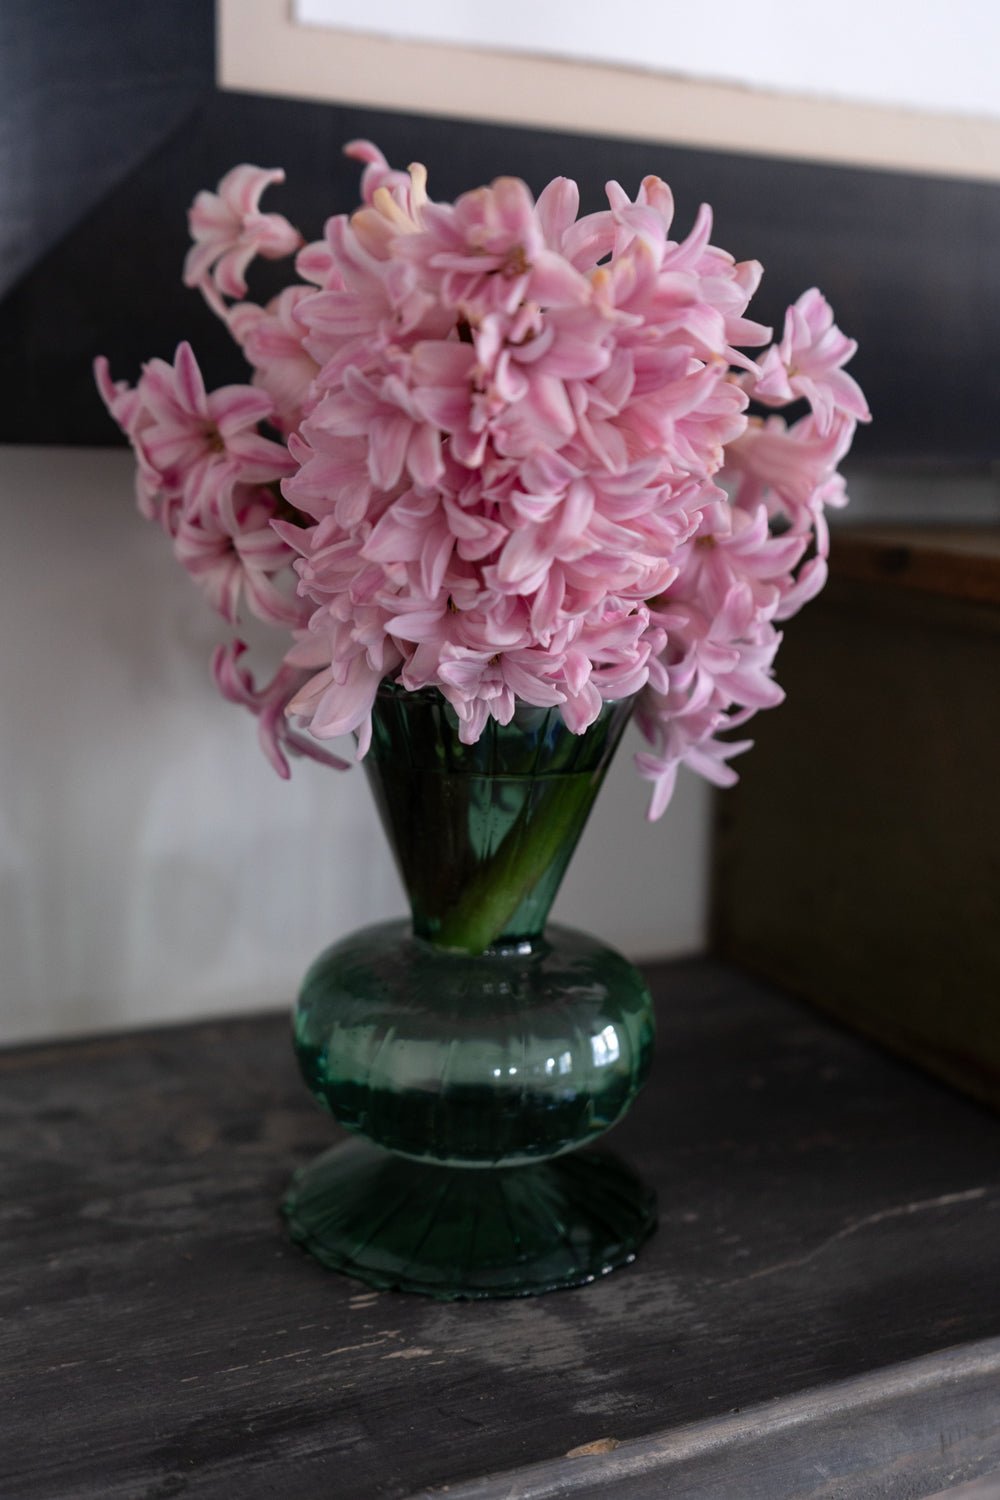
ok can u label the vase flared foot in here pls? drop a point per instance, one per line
(455, 1232)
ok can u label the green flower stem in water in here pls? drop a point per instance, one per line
(483, 833)
(542, 833)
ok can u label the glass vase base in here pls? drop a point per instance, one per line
(455, 1233)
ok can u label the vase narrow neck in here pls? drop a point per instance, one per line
(482, 834)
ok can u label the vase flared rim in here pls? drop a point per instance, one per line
(389, 689)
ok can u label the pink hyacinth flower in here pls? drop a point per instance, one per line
(808, 363)
(125, 406)
(517, 461)
(269, 704)
(237, 555)
(272, 339)
(203, 444)
(229, 230)
(480, 686)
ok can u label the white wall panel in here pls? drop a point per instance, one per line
(152, 866)
(916, 53)
(151, 863)
(906, 85)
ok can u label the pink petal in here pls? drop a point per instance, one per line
(189, 381)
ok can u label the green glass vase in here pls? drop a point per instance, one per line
(472, 1050)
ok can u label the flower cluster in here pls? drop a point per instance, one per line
(516, 462)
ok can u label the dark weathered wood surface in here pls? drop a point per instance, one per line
(894, 1432)
(826, 1214)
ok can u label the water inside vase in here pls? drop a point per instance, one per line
(476, 1035)
(475, 1059)
(483, 833)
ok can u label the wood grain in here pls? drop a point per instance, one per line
(857, 860)
(889, 1433)
(951, 562)
(825, 1213)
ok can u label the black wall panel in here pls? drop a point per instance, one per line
(909, 262)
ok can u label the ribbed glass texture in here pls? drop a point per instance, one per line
(507, 1056)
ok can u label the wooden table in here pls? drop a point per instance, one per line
(818, 1315)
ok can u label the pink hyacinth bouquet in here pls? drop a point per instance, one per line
(500, 450)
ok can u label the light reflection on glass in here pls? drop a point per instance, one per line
(605, 1047)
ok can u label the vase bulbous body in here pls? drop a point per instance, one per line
(501, 1058)
(473, 1049)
